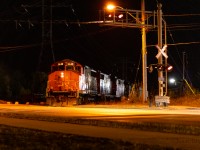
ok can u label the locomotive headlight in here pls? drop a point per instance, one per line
(62, 75)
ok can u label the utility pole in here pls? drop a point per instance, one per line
(166, 62)
(184, 65)
(160, 59)
(183, 80)
(144, 55)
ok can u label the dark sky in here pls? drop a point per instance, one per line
(110, 49)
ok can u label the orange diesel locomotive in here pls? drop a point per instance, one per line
(70, 79)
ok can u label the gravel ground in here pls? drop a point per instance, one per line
(13, 138)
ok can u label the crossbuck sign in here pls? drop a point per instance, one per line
(161, 51)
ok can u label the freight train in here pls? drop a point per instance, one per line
(70, 79)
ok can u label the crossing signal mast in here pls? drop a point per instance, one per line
(163, 66)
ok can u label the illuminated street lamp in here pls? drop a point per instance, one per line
(172, 81)
(110, 7)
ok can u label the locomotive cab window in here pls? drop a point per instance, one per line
(78, 69)
(61, 67)
(69, 67)
(58, 67)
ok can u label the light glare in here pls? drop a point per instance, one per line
(172, 80)
(120, 16)
(110, 7)
(170, 68)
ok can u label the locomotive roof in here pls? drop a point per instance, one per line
(66, 60)
(69, 60)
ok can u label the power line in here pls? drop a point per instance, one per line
(18, 47)
(181, 15)
(181, 43)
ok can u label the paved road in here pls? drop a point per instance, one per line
(131, 135)
(20, 115)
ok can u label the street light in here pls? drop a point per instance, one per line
(112, 7)
(172, 81)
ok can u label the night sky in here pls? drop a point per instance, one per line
(110, 49)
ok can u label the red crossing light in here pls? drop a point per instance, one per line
(163, 67)
(169, 68)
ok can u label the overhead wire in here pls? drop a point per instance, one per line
(185, 43)
(14, 48)
(175, 44)
(176, 48)
(93, 43)
(182, 27)
(181, 15)
(170, 28)
(177, 27)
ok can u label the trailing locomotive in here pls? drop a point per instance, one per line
(69, 79)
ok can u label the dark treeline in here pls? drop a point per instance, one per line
(23, 87)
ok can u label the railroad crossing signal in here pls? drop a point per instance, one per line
(162, 51)
(163, 67)
(160, 67)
